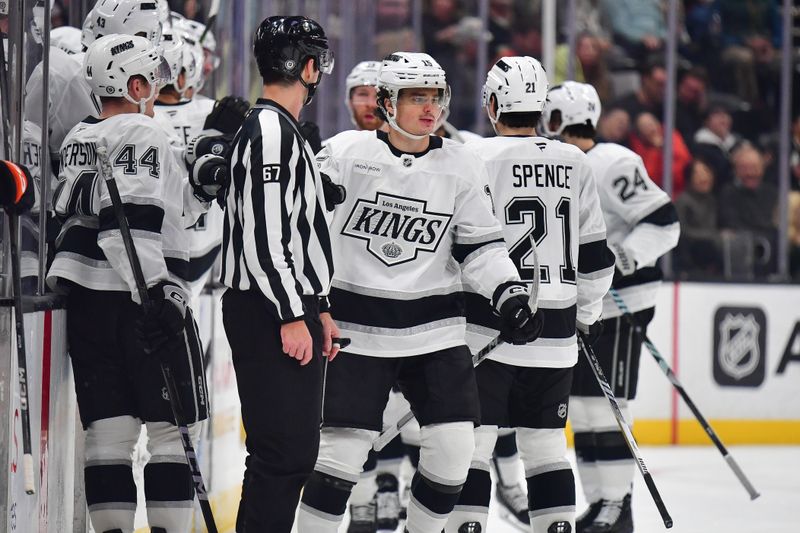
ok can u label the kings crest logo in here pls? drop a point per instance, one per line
(396, 228)
(740, 346)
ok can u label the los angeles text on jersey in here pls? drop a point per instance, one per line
(542, 175)
(396, 228)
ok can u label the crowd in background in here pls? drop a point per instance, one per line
(725, 143)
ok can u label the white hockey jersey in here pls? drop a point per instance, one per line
(184, 121)
(412, 227)
(639, 216)
(70, 99)
(544, 190)
(156, 196)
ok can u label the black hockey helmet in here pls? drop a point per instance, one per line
(283, 45)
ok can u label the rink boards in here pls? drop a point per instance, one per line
(735, 348)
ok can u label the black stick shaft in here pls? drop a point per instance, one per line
(626, 430)
(166, 371)
(664, 366)
(22, 359)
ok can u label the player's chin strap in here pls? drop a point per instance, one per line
(494, 119)
(142, 102)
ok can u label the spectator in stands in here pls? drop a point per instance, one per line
(638, 25)
(795, 157)
(715, 141)
(650, 96)
(393, 26)
(526, 38)
(703, 27)
(699, 249)
(444, 40)
(589, 19)
(748, 203)
(647, 140)
(750, 39)
(590, 65)
(501, 13)
(614, 126)
(692, 101)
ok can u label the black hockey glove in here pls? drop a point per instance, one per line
(17, 194)
(334, 194)
(160, 329)
(209, 177)
(519, 325)
(310, 132)
(227, 115)
(207, 142)
(591, 332)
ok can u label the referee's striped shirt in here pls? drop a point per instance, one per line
(276, 238)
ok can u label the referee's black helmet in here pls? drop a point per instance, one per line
(283, 45)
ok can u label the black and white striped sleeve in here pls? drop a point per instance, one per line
(265, 176)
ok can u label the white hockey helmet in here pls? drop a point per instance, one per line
(128, 17)
(518, 84)
(112, 60)
(577, 103)
(409, 70)
(162, 6)
(365, 73)
(172, 47)
(67, 38)
(192, 60)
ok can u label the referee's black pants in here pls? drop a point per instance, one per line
(281, 409)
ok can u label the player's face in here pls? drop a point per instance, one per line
(418, 110)
(363, 102)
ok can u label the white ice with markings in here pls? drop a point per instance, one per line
(703, 495)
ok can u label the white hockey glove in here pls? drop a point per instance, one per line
(209, 177)
(625, 263)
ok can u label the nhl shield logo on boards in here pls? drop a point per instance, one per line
(740, 346)
(396, 228)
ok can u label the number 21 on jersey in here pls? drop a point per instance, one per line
(531, 209)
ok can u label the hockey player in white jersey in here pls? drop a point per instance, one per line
(642, 226)
(543, 190)
(184, 115)
(70, 99)
(416, 222)
(114, 346)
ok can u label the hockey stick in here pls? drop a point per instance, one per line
(22, 361)
(393, 431)
(662, 363)
(213, 10)
(16, 275)
(166, 371)
(623, 426)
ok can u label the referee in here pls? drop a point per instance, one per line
(277, 264)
